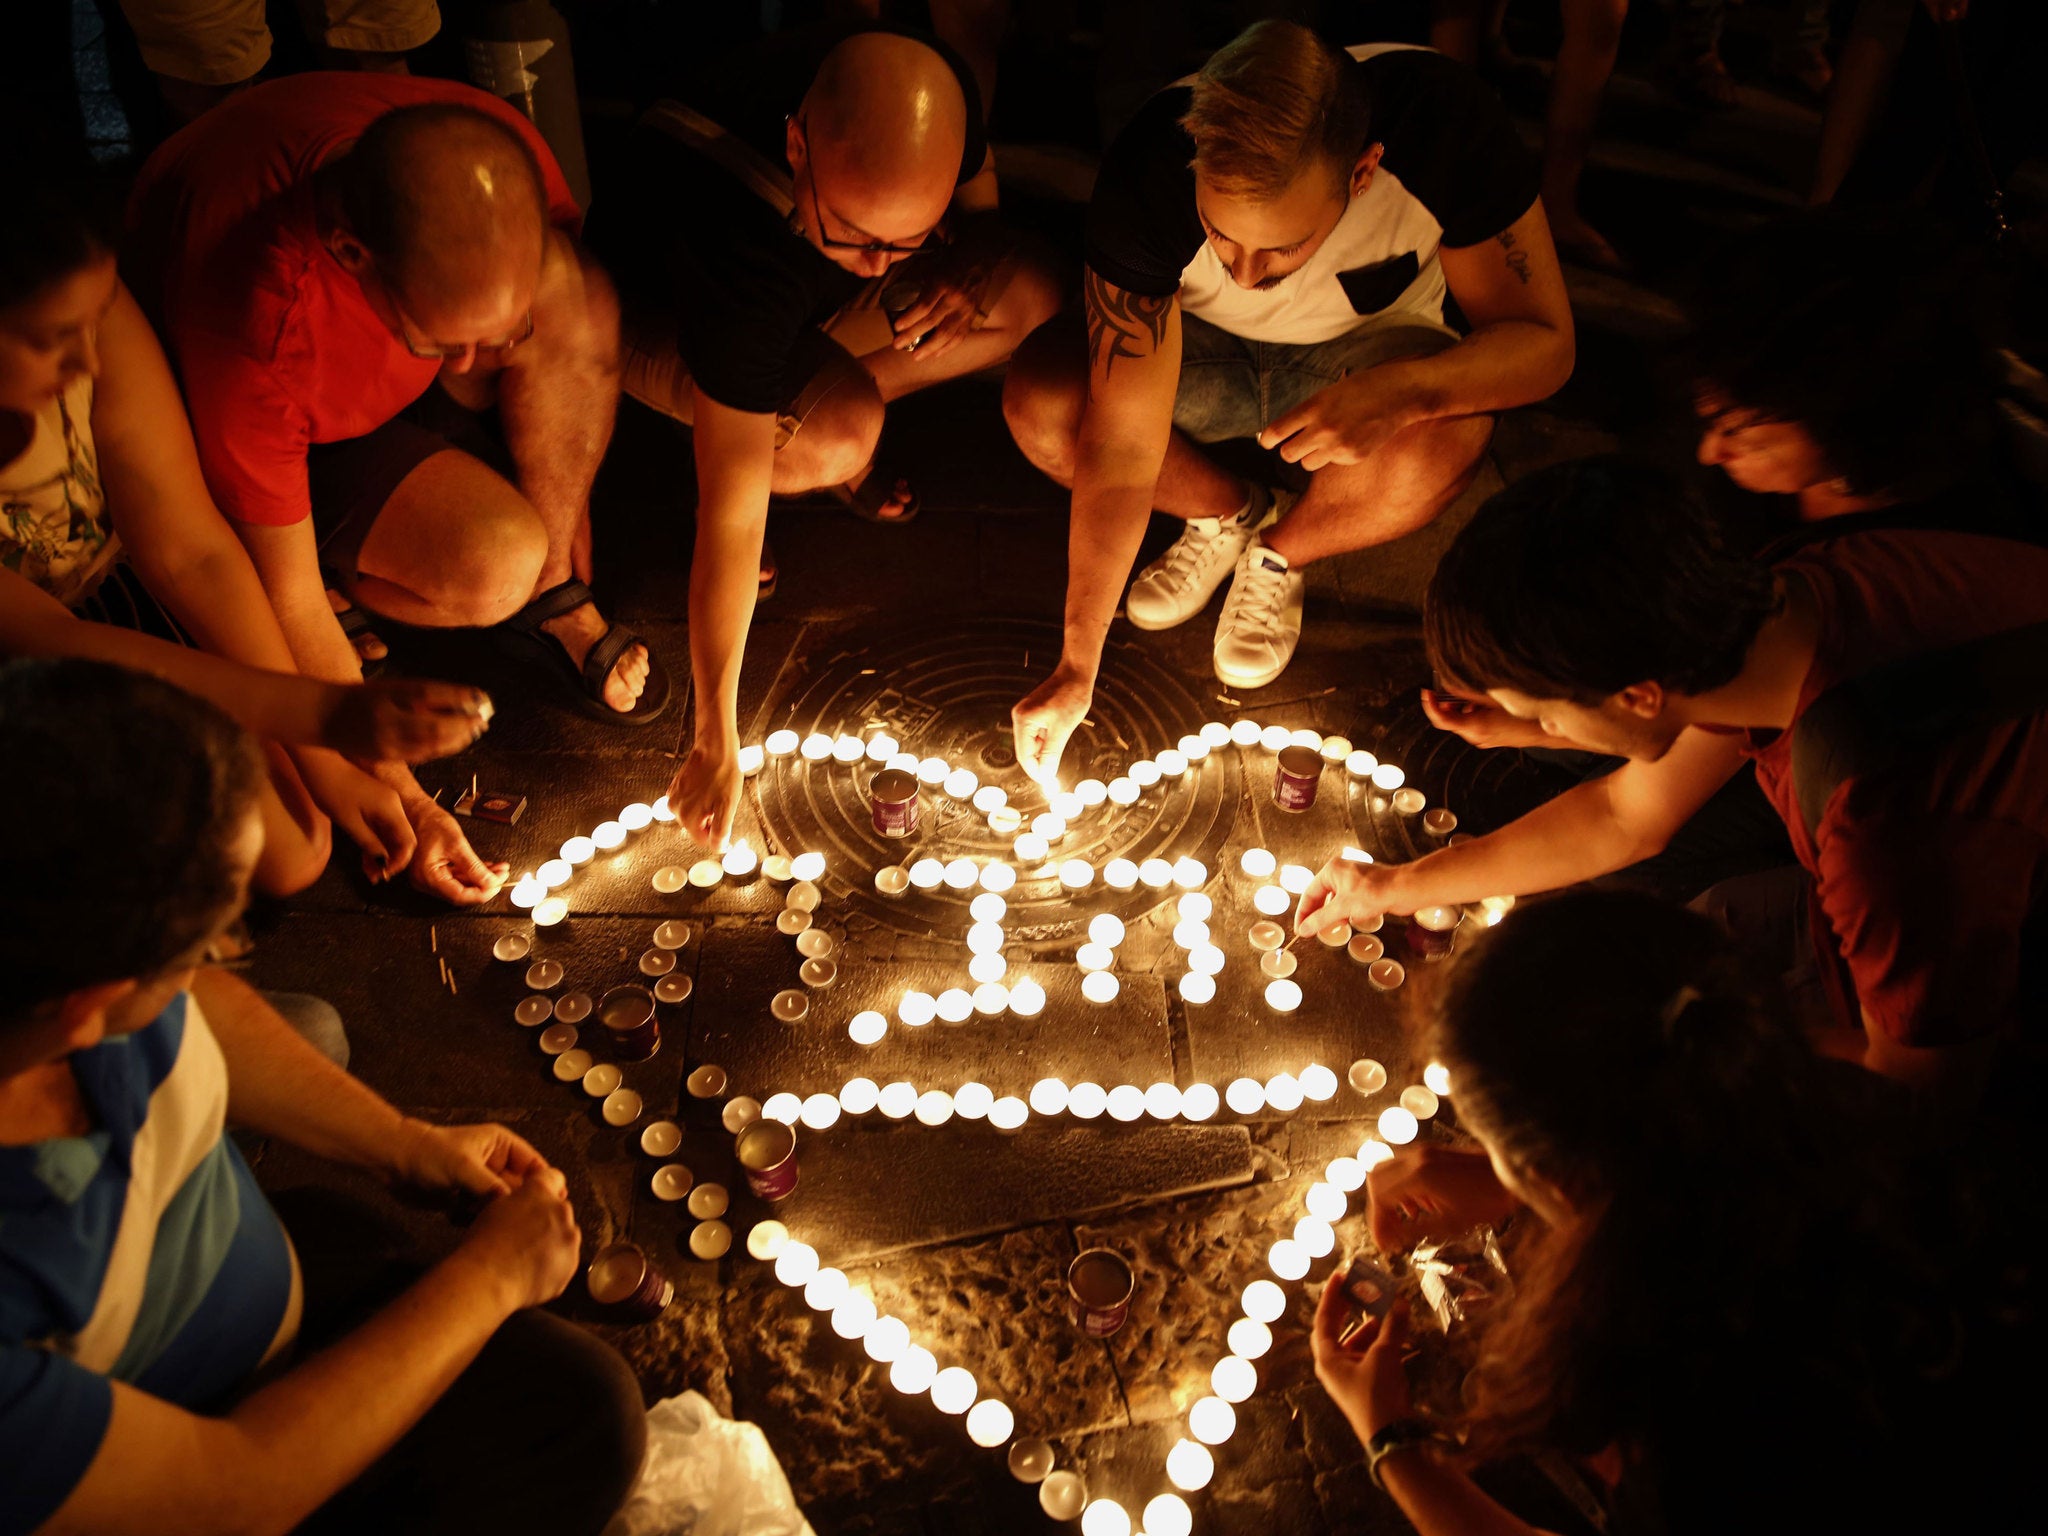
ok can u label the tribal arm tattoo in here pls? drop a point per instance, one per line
(1122, 323)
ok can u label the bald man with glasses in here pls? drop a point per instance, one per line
(814, 237)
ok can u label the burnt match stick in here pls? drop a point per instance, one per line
(453, 990)
(434, 938)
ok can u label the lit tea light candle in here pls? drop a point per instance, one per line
(1436, 1077)
(860, 1095)
(1193, 748)
(1126, 1102)
(550, 911)
(751, 761)
(1008, 1113)
(898, 1101)
(662, 811)
(1030, 848)
(1094, 957)
(671, 878)
(954, 1005)
(1274, 737)
(934, 1107)
(1283, 1093)
(1189, 1466)
(1190, 933)
(706, 873)
(848, 749)
(1345, 1174)
(1245, 1096)
(1336, 749)
(1278, 964)
(882, 746)
(1198, 988)
(1123, 790)
(1087, 1101)
(1318, 1083)
(954, 1389)
(816, 747)
(1105, 1517)
(985, 938)
(1004, 820)
(578, 851)
(1156, 873)
(820, 1111)
(1171, 764)
(526, 893)
(886, 1339)
(1062, 1495)
(785, 1107)
(1272, 900)
(906, 762)
(782, 743)
(1295, 879)
(554, 874)
(990, 1423)
(1438, 822)
(608, 835)
(1212, 1421)
(1283, 996)
(1325, 1202)
(1397, 1125)
(1091, 792)
(960, 784)
(1315, 1237)
(795, 1264)
(1419, 1101)
(1100, 987)
(1066, 805)
(1194, 907)
(972, 1101)
(1249, 1338)
(826, 1289)
(932, 771)
(1049, 827)
(1408, 801)
(1385, 975)
(1048, 1096)
(1233, 1379)
(1367, 1076)
(1027, 999)
(807, 866)
(985, 970)
(989, 907)
(639, 815)
(1162, 1101)
(988, 798)
(740, 860)
(1287, 1260)
(1120, 875)
(962, 874)
(1388, 777)
(1267, 935)
(1199, 1101)
(1206, 960)
(917, 1009)
(914, 1371)
(1190, 873)
(926, 874)
(1077, 874)
(854, 1316)
(766, 1240)
(1107, 929)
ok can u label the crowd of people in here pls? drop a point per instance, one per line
(348, 352)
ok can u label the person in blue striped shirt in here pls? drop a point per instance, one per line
(158, 1370)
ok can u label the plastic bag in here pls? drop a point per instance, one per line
(707, 1475)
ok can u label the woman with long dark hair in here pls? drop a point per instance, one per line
(1724, 1311)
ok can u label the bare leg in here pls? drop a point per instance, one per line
(456, 544)
(558, 395)
(1033, 297)
(1592, 38)
(1042, 398)
(1397, 490)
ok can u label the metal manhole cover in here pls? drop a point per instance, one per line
(947, 692)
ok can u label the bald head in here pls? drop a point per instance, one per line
(450, 202)
(886, 124)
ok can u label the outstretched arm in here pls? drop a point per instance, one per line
(1133, 371)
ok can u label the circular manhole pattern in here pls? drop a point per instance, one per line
(947, 692)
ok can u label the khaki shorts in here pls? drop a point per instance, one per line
(224, 42)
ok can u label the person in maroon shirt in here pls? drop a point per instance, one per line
(1598, 601)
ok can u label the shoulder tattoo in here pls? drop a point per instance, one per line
(1517, 258)
(1122, 323)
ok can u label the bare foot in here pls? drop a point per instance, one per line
(369, 645)
(898, 505)
(581, 628)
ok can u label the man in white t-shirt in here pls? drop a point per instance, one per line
(1269, 247)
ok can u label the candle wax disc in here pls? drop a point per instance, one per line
(601, 1079)
(1267, 935)
(1337, 935)
(739, 1113)
(792, 920)
(672, 989)
(706, 873)
(673, 934)
(671, 878)
(511, 946)
(803, 897)
(1386, 974)
(557, 1038)
(1277, 963)
(791, 1005)
(707, 1082)
(571, 1065)
(533, 1010)
(708, 1200)
(671, 1181)
(573, 1008)
(1367, 1076)
(816, 943)
(661, 1138)
(711, 1240)
(621, 1107)
(1030, 1460)
(818, 973)
(657, 962)
(544, 974)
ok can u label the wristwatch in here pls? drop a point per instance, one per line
(1390, 1438)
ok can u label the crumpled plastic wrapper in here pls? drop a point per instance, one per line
(707, 1475)
(1462, 1278)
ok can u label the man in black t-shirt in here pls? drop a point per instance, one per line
(1269, 249)
(812, 237)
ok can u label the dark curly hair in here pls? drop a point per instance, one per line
(59, 221)
(1868, 329)
(1588, 577)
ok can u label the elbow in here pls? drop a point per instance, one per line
(1560, 357)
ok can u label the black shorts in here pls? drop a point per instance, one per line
(352, 480)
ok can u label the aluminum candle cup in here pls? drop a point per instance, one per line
(892, 802)
(1433, 931)
(628, 1014)
(767, 1151)
(621, 1276)
(1099, 1285)
(1296, 773)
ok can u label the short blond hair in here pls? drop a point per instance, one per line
(1268, 105)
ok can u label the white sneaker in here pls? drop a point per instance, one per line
(1261, 623)
(1176, 586)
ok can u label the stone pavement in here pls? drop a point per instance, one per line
(961, 1231)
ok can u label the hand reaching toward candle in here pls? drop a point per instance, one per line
(1046, 720)
(443, 864)
(409, 719)
(1345, 890)
(527, 1241)
(1365, 1378)
(1429, 1193)
(480, 1159)
(705, 795)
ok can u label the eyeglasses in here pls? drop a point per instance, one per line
(928, 239)
(440, 352)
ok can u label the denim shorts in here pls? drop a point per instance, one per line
(1231, 387)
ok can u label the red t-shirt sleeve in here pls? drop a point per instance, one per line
(1927, 915)
(251, 433)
